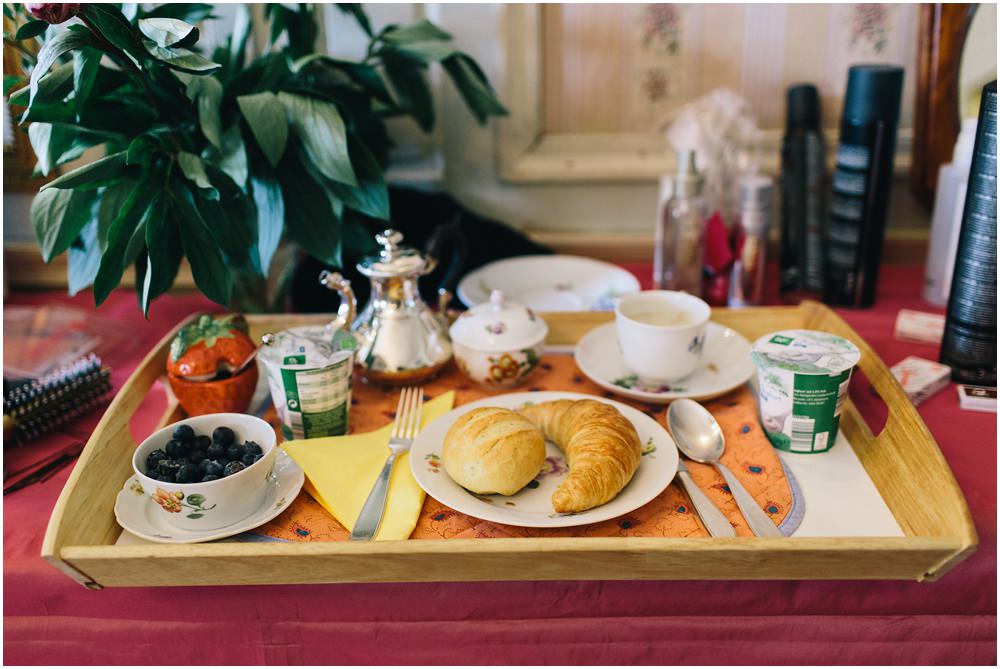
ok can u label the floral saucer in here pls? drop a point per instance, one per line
(725, 365)
(137, 512)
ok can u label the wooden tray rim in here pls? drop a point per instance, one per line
(921, 555)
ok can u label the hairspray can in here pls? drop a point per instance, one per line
(969, 345)
(861, 184)
(803, 185)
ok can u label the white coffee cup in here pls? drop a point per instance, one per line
(661, 333)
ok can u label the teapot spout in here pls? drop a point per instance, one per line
(348, 304)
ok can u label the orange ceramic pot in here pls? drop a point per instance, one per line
(210, 346)
(230, 395)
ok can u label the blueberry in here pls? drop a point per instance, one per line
(168, 478)
(209, 477)
(253, 448)
(184, 433)
(154, 458)
(168, 466)
(154, 474)
(174, 448)
(203, 442)
(234, 452)
(203, 465)
(233, 467)
(258, 457)
(183, 460)
(214, 467)
(196, 456)
(188, 474)
(249, 458)
(216, 452)
(223, 436)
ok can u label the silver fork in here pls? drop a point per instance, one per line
(404, 431)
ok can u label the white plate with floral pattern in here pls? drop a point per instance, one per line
(532, 505)
(137, 512)
(725, 365)
(550, 283)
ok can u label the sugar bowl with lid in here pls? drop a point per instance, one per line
(498, 343)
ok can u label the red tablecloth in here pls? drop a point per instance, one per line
(48, 619)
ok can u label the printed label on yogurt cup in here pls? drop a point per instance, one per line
(803, 380)
(309, 371)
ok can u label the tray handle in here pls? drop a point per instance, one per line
(917, 484)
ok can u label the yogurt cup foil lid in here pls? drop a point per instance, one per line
(805, 352)
(309, 346)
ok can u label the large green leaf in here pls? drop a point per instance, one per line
(320, 129)
(180, 58)
(83, 258)
(31, 29)
(233, 156)
(228, 218)
(50, 52)
(408, 82)
(58, 216)
(194, 169)
(192, 12)
(120, 235)
(109, 21)
(207, 93)
(371, 197)
(365, 76)
(265, 115)
(425, 52)
(418, 31)
(357, 11)
(208, 265)
(57, 143)
(98, 173)
(168, 31)
(242, 29)
(473, 86)
(309, 216)
(53, 87)
(270, 209)
(86, 66)
(163, 248)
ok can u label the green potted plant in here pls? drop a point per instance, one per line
(215, 159)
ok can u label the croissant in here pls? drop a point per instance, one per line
(601, 447)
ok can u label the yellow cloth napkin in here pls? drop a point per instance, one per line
(340, 473)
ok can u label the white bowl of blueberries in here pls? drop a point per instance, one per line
(208, 471)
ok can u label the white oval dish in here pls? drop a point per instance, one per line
(725, 365)
(532, 506)
(550, 283)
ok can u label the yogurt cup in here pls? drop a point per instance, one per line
(309, 371)
(803, 377)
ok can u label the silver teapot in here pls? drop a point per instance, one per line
(400, 339)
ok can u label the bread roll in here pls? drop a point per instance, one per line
(602, 449)
(492, 450)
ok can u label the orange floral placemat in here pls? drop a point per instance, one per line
(748, 454)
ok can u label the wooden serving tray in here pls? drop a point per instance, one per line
(903, 461)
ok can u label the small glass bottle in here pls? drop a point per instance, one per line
(746, 284)
(679, 253)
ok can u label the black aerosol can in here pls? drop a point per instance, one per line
(861, 183)
(803, 193)
(969, 346)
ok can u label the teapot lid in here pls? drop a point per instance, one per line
(395, 260)
(498, 325)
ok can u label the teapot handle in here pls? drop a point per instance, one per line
(443, 236)
(348, 304)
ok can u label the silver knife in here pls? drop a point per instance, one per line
(715, 521)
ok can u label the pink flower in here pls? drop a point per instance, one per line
(53, 12)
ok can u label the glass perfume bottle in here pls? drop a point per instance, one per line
(679, 253)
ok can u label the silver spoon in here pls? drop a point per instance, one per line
(199, 378)
(699, 437)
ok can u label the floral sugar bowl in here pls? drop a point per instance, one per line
(498, 343)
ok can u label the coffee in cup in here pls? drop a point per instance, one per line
(661, 334)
